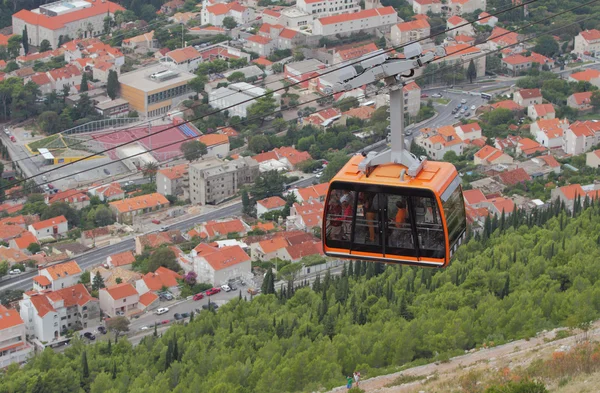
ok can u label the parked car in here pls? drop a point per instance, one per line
(424, 95)
(14, 272)
(213, 305)
(436, 95)
(177, 316)
(213, 291)
(468, 114)
(463, 101)
(473, 107)
(457, 116)
(225, 287)
(198, 296)
(102, 329)
(144, 328)
(185, 315)
(162, 310)
(164, 229)
(6, 131)
(232, 286)
(12, 138)
(89, 336)
(165, 321)
(106, 171)
(166, 296)
(156, 221)
(50, 186)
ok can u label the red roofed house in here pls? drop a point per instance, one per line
(305, 216)
(528, 147)
(459, 7)
(271, 16)
(489, 155)
(510, 178)
(43, 81)
(549, 133)
(486, 19)
(497, 206)
(68, 75)
(317, 192)
(587, 43)
(154, 240)
(463, 54)
(581, 136)
(155, 282)
(13, 344)
(541, 111)
(123, 260)
(259, 44)
(346, 55)
(62, 275)
(53, 20)
(145, 40)
(568, 195)
(172, 180)
(468, 131)
(593, 159)
(297, 252)
(268, 249)
(580, 101)
(10, 231)
(222, 265)
(375, 18)
(270, 204)
(516, 64)
(454, 22)
(589, 75)
(216, 144)
(507, 104)
(439, 142)
(118, 300)
(22, 242)
(53, 227)
(262, 61)
(406, 32)
(501, 37)
(213, 229)
(526, 97)
(426, 6)
(362, 112)
(125, 209)
(474, 198)
(171, 6)
(323, 118)
(214, 14)
(108, 192)
(291, 157)
(78, 199)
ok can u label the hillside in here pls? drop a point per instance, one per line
(525, 274)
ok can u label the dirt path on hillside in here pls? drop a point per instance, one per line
(512, 354)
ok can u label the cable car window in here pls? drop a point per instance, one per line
(367, 227)
(333, 231)
(430, 230)
(399, 231)
(454, 209)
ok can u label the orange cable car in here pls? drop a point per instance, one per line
(394, 207)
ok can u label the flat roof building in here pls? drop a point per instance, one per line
(153, 91)
(237, 97)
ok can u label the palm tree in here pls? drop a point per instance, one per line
(149, 170)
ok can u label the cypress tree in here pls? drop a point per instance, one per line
(85, 371)
(175, 349)
(350, 269)
(25, 40)
(155, 330)
(114, 370)
(109, 348)
(84, 83)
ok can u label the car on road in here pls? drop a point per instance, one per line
(198, 296)
(156, 221)
(436, 95)
(232, 286)
(165, 321)
(473, 107)
(164, 229)
(12, 138)
(213, 305)
(185, 315)
(177, 316)
(213, 291)
(166, 296)
(144, 328)
(102, 329)
(106, 171)
(225, 287)
(14, 272)
(50, 186)
(457, 116)
(162, 310)
(424, 95)
(468, 114)
(89, 336)
(463, 101)
(454, 111)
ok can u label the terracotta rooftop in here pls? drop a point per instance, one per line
(161, 277)
(586, 75)
(121, 291)
(473, 197)
(140, 202)
(63, 270)
(214, 228)
(277, 243)
(25, 240)
(213, 139)
(514, 177)
(226, 257)
(572, 191)
(49, 223)
(42, 280)
(122, 259)
(583, 98)
(413, 25)
(590, 35)
(272, 202)
(507, 104)
(362, 112)
(343, 18)
(353, 53)
(148, 298)
(503, 37)
(174, 172)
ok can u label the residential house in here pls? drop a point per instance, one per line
(214, 14)
(457, 25)
(411, 31)
(288, 157)
(323, 118)
(526, 97)
(515, 176)
(587, 42)
(145, 41)
(541, 111)
(22, 242)
(468, 131)
(317, 193)
(592, 158)
(580, 137)
(474, 198)
(362, 113)
(264, 46)
(486, 19)
(499, 206)
(540, 166)
(13, 332)
(171, 6)
(154, 240)
(222, 265)
(148, 301)
(459, 7)
(120, 299)
(62, 275)
(580, 101)
(347, 55)
(296, 252)
(108, 192)
(502, 38)
(217, 145)
(569, 195)
(54, 227)
(381, 19)
(549, 133)
(155, 282)
(589, 75)
(78, 199)
(172, 180)
(518, 63)
(212, 181)
(184, 59)
(10, 231)
(464, 39)
(412, 98)
(68, 75)
(123, 260)
(43, 81)
(528, 147)
(268, 205)
(305, 216)
(489, 155)
(214, 229)
(102, 69)
(508, 104)
(110, 275)
(426, 6)
(441, 141)
(126, 209)
(49, 315)
(462, 54)
(268, 249)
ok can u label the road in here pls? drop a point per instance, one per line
(98, 256)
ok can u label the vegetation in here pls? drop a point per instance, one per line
(193, 150)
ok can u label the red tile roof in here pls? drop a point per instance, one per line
(42, 281)
(293, 156)
(140, 202)
(223, 228)
(213, 139)
(40, 79)
(550, 161)
(343, 18)
(473, 197)
(63, 270)
(121, 291)
(460, 50)
(543, 109)
(362, 112)
(174, 172)
(58, 22)
(288, 34)
(572, 191)
(586, 75)
(456, 20)
(590, 35)
(262, 61)
(122, 259)
(69, 196)
(304, 249)
(413, 25)
(148, 298)
(530, 93)
(503, 37)
(265, 156)
(25, 240)
(110, 190)
(272, 202)
(353, 53)
(161, 277)
(259, 39)
(507, 104)
(583, 97)
(230, 132)
(66, 72)
(8, 232)
(529, 146)
(270, 245)
(49, 223)
(503, 205)
(75, 295)
(41, 304)
(514, 177)
(226, 257)
(183, 55)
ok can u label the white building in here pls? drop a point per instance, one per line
(541, 111)
(487, 19)
(73, 18)
(184, 59)
(459, 7)
(259, 44)
(587, 42)
(49, 315)
(526, 97)
(13, 346)
(120, 299)
(222, 265)
(270, 204)
(378, 18)
(405, 32)
(425, 6)
(323, 8)
(439, 142)
(237, 97)
(580, 137)
(155, 282)
(465, 27)
(53, 227)
(592, 159)
(61, 276)
(214, 14)
(549, 133)
(468, 131)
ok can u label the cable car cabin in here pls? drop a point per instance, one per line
(419, 221)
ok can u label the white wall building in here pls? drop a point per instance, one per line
(580, 137)
(323, 8)
(234, 95)
(214, 14)
(63, 275)
(549, 133)
(120, 299)
(53, 227)
(184, 59)
(13, 345)
(222, 265)
(587, 42)
(405, 32)
(378, 18)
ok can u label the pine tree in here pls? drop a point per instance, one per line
(357, 268)
(350, 269)
(192, 313)
(25, 38)
(114, 370)
(506, 289)
(246, 206)
(84, 83)
(471, 71)
(85, 371)
(155, 330)
(98, 282)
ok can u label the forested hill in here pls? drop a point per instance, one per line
(520, 281)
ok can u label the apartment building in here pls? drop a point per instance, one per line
(406, 32)
(13, 345)
(53, 227)
(172, 180)
(183, 59)
(63, 275)
(587, 42)
(439, 142)
(549, 133)
(237, 97)
(119, 300)
(126, 209)
(212, 180)
(377, 18)
(321, 8)
(580, 137)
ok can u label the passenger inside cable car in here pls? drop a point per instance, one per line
(395, 222)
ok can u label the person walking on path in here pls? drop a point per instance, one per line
(357, 377)
(349, 384)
